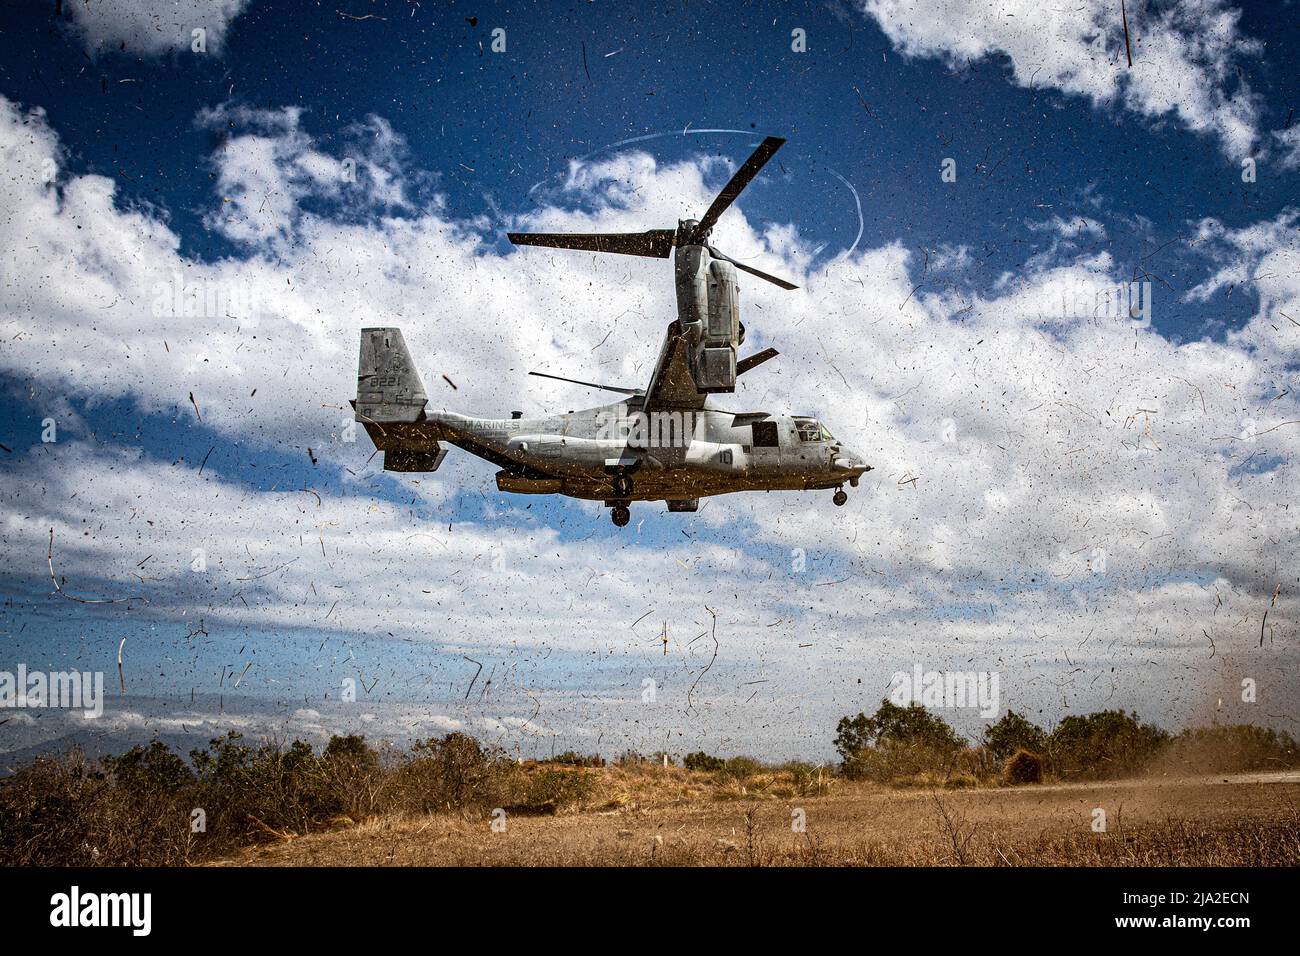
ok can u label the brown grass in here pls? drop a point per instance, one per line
(435, 805)
(654, 816)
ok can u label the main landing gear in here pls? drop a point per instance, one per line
(839, 498)
(619, 512)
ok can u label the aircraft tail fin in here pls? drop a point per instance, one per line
(390, 403)
(388, 386)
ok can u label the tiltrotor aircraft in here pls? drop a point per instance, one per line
(663, 442)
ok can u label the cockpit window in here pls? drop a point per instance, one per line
(811, 430)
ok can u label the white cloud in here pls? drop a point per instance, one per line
(1289, 141)
(1263, 257)
(153, 27)
(268, 166)
(273, 547)
(1183, 54)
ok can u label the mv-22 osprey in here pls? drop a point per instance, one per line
(664, 442)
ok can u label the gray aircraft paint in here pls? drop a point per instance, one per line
(665, 442)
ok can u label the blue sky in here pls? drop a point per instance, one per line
(1045, 447)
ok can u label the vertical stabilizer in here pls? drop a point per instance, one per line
(388, 386)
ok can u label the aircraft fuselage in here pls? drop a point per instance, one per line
(669, 454)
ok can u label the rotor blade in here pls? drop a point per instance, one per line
(766, 150)
(751, 270)
(656, 243)
(608, 388)
(755, 360)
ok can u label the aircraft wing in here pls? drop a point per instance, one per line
(672, 385)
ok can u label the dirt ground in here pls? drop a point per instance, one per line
(1242, 820)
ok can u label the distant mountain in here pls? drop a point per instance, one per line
(97, 744)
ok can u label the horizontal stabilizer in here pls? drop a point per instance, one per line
(402, 459)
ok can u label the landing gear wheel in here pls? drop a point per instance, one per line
(622, 486)
(840, 498)
(621, 515)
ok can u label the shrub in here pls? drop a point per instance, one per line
(136, 809)
(552, 790)
(351, 751)
(350, 776)
(151, 794)
(702, 761)
(892, 724)
(67, 810)
(154, 767)
(893, 762)
(894, 742)
(455, 773)
(1103, 745)
(740, 769)
(1010, 734)
(805, 778)
(255, 792)
(1023, 767)
(1232, 748)
(49, 813)
(571, 758)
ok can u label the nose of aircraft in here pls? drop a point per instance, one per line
(850, 464)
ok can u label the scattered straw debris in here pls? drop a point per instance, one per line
(49, 558)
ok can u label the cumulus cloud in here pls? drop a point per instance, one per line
(1261, 257)
(1288, 141)
(1061, 493)
(356, 548)
(153, 27)
(1184, 54)
(189, 726)
(267, 168)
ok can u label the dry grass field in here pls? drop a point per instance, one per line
(1102, 799)
(656, 816)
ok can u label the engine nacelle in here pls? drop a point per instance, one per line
(715, 362)
(710, 305)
